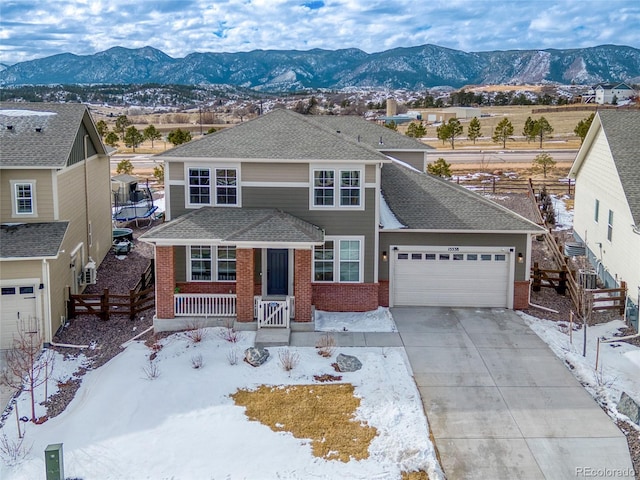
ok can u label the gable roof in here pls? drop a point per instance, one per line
(280, 134)
(31, 240)
(444, 206)
(42, 135)
(622, 131)
(236, 226)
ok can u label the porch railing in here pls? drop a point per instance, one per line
(204, 305)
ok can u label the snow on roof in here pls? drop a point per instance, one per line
(387, 219)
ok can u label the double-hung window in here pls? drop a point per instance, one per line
(337, 188)
(610, 226)
(596, 211)
(201, 263)
(212, 186)
(339, 260)
(207, 263)
(24, 199)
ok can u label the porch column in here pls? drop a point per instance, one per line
(302, 284)
(244, 284)
(165, 282)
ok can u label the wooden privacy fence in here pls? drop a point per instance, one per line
(105, 304)
(556, 279)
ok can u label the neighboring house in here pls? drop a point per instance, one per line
(605, 93)
(330, 213)
(607, 200)
(55, 211)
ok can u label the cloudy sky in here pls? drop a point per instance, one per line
(36, 29)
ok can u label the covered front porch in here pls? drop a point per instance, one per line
(227, 264)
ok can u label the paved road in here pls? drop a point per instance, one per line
(500, 404)
(496, 157)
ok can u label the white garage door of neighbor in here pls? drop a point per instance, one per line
(456, 276)
(17, 302)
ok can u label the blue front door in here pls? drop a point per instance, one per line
(277, 271)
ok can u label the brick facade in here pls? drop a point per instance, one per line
(345, 297)
(520, 295)
(165, 273)
(383, 293)
(244, 284)
(302, 285)
(207, 287)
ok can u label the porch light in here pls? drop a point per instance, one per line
(384, 256)
(520, 258)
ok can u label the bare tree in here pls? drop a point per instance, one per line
(28, 365)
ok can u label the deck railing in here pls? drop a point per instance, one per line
(204, 305)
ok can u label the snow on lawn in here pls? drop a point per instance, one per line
(564, 217)
(379, 320)
(183, 424)
(618, 362)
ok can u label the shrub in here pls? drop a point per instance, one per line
(197, 362)
(288, 359)
(151, 371)
(196, 332)
(13, 452)
(326, 345)
(232, 356)
(229, 333)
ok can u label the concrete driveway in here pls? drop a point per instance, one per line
(500, 404)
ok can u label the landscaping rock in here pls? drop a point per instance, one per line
(348, 363)
(629, 407)
(256, 356)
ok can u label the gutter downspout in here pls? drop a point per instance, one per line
(46, 299)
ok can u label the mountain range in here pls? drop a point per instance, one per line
(414, 68)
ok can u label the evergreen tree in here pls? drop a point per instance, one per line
(541, 129)
(503, 132)
(391, 125)
(122, 122)
(440, 168)
(453, 129)
(473, 131)
(151, 133)
(111, 139)
(179, 136)
(102, 128)
(527, 131)
(545, 162)
(583, 127)
(416, 130)
(133, 137)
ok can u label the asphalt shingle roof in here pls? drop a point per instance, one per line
(370, 133)
(622, 130)
(23, 146)
(280, 134)
(28, 240)
(426, 202)
(231, 225)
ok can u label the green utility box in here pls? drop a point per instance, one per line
(53, 461)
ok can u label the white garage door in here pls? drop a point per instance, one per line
(17, 302)
(454, 276)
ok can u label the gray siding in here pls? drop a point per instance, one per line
(519, 241)
(334, 222)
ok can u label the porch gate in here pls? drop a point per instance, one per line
(274, 313)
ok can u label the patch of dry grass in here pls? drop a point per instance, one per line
(325, 414)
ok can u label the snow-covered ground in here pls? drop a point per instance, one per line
(183, 424)
(618, 368)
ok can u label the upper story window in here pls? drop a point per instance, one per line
(213, 186)
(24, 198)
(596, 211)
(610, 226)
(337, 188)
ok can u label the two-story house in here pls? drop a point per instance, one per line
(55, 212)
(607, 200)
(325, 212)
(606, 93)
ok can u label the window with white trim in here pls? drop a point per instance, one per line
(226, 264)
(202, 180)
(610, 226)
(200, 263)
(340, 188)
(323, 188)
(339, 260)
(207, 263)
(323, 262)
(24, 198)
(596, 211)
